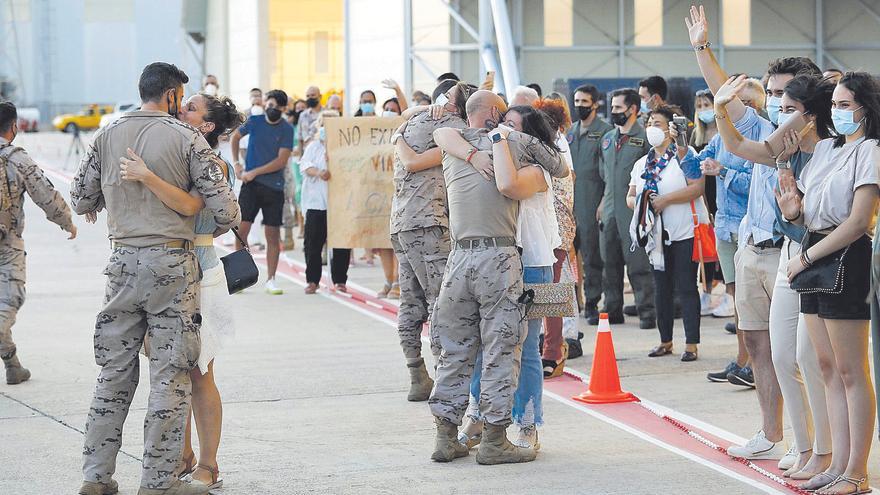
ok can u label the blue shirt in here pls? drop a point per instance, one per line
(759, 223)
(732, 191)
(793, 231)
(265, 142)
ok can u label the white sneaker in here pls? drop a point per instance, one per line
(724, 308)
(527, 438)
(758, 448)
(706, 304)
(788, 460)
(271, 288)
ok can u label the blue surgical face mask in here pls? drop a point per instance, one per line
(367, 107)
(441, 100)
(843, 121)
(774, 106)
(644, 107)
(322, 134)
(706, 116)
(782, 118)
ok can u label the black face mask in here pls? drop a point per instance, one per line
(273, 114)
(584, 112)
(619, 118)
(312, 102)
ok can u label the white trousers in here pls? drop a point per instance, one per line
(796, 365)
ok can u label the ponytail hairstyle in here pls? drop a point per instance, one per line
(220, 111)
(814, 93)
(538, 124)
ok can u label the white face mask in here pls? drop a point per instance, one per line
(656, 136)
(211, 89)
(441, 100)
(256, 110)
(389, 113)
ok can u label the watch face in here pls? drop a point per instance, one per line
(496, 137)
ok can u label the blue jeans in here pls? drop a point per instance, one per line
(527, 408)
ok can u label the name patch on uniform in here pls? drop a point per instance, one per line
(594, 135)
(606, 143)
(637, 142)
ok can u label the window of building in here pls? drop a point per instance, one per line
(558, 25)
(322, 52)
(648, 23)
(737, 22)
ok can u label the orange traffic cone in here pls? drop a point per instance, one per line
(604, 380)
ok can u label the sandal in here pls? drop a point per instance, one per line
(216, 481)
(553, 369)
(384, 292)
(856, 482)
(661, 350)
(189, 465)
(818, 482)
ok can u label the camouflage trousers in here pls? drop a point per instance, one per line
(151, 292)
(287, 211)
(12, 277)
(422, 254)
(478, 305)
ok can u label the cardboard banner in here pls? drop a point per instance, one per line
(360, 158)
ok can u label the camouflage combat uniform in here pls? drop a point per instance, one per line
(152, 286)
(20, 175)
(420, 233)
(478, 302)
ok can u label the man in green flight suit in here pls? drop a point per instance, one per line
(621, 147)
(585, 141)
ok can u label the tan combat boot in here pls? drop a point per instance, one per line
(495, 448)
(178, 488)
(420, 383)
(447, 447)
(15, 372)
(91, 488)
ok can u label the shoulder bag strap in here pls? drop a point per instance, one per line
(242, 241)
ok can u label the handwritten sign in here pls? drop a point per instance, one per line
(361, 163)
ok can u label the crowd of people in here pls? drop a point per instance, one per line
(771, 190)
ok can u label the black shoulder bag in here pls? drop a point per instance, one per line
(241, 271)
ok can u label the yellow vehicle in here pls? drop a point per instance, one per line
(88, 118)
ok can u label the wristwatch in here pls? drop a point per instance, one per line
(784, 165)
(498, 137)
(722, 173)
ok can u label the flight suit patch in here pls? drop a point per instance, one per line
(606, 143)
(636, 142)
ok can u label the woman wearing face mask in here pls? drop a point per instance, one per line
(367, 104)
(314, 198)
(665, 197)
(794, 356)
(213, 117)
(838, 202)
(391, 108)
(538, 237)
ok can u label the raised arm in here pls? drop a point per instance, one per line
(85, 192)
(450, 140)
(713, 73)
(133, 168)
(401, 97)
(512, 181)
(206, 171)
(537, 152)
(735, 142)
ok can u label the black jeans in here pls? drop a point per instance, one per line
(313, 245)
(679, 279)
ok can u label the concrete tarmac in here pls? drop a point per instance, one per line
(315, 395)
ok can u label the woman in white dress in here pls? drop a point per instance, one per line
(213, 117)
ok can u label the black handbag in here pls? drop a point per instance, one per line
(241, 271)
(826, 275)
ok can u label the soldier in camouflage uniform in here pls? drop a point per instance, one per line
(478, 304)
(19, 174)
(420, 228)
(152, 281)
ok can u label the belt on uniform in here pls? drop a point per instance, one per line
(485, 242)
(179, 244)
(204, 240)
(768, 244)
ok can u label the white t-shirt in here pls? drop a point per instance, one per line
(314, 190)
(537, 231)
(832, 177)
(678, 220)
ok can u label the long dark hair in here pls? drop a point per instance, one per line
(814, 93)
(866, 90)
(460, 98)
(220, 111)
(360, 113)
(538, 124)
